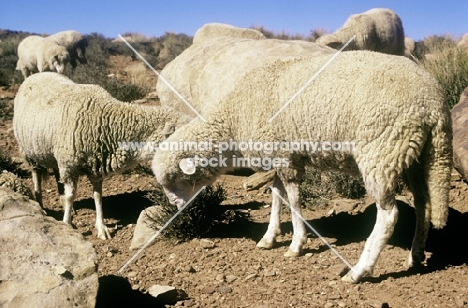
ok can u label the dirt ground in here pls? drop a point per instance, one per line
(234, 273)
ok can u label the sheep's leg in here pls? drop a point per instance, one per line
(418, 187)
(68, 199)
(387, 215)
(103, 232)
(36, 175)
(299, 231)
(274, 226)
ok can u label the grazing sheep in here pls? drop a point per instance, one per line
(36, 54)
(205, 72)
(391, 109)
(75, 129)
(217, 30)
(74, 42)
(376, 29)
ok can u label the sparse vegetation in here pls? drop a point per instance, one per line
(449, 64)
(198, 218)
(319, 187)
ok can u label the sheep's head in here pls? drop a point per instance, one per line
(180, 181)
(59, 59)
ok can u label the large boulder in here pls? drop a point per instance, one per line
(460, 135)
(44, 262)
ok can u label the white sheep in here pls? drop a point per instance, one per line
(391, 109)
(217, 30)
(376, 29)
(74, 42)
(36, 54)
(80, 129)
(205, 72)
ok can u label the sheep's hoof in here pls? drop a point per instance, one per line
(264, 244)
(292, 254)
(103, 233)
(349, 279)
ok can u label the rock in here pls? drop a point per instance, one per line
(164, 294)
(231, 278)
(224, 289)
(45, 263)
(145, 227)
(205, 243)
(460, 135)
(13, 182)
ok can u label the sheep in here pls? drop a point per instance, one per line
(376, 29)
(410, 47)
(390, 108)
(204, 73)
(78, 129)
(36, 54)
(74, 42)
(216, 30)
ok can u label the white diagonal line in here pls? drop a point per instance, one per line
(311, 79)
(160, 230)
(163, 79)
(313, 230)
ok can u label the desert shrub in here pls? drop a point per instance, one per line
(172, 46)
(6, 163)
(319, 187)
(9, 41)
(449, 65)
(6, 109)
(197, 219)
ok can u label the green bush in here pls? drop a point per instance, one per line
(448, 63)
(319, 187)
(197, 219)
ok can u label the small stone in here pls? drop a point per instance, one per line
(220, 277)
(208, 290)
(224, 289)
(459, 302)
(269, 273)
(249, 277)
(165, 294)
(207, 244)
(109, 254)
(132, 274)
(230, 278)
(135, 287)
(189, 269)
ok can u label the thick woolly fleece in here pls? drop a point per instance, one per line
(376, 29)
(216, 30)
(205, 72)
(389, 107)
(36, 54)
(77, 128)
(74, 42)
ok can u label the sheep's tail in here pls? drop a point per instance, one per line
(438, 169)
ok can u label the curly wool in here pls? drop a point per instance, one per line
(74, 42)
(78, 129)
(376, 30)
(392, 110)
(205, 72)
(217, 30)
(36, 54)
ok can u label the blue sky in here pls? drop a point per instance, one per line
(154, 18)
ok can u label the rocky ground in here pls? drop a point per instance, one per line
(225, 269)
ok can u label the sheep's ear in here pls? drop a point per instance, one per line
(187, 165)
(168, 130)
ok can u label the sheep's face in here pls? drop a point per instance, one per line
(179, 184)
(60, 61)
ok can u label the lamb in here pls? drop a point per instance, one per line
(36, 54)
(376, 29)
(217, 30)
(390, 108)
(204, 73)
(74, 42)
(80, 129)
